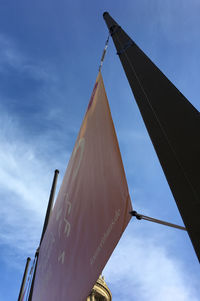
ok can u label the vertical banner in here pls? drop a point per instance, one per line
(91, 211)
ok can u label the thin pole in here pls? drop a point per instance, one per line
(46, 221)
(50, 204)
(24, 279)
(154, 220)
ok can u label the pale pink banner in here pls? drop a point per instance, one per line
(91, 211)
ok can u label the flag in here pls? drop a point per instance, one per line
(91, 211)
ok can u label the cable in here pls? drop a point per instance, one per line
(104, 52)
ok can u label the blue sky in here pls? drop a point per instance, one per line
(49, 57)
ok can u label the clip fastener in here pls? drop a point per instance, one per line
(137, 215)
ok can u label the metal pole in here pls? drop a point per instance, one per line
(46, 221)
(50, 204)
(24, 279)
(154, 220)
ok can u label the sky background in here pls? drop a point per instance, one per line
(49, 57)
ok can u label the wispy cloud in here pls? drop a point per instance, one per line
(28, 160)
(11, 56)
(144, 270)
(24, 182)
(28, 157)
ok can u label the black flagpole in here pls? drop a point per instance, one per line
(173, 125)
(50, 204)
(24, 279)
(48, 212)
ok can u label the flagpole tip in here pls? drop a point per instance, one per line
(56, 171)
(105, 13)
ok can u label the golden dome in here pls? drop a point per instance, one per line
(100, 291)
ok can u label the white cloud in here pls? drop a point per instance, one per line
(26, 165)
(11, 56)
(8, 53)
(25, 182)
(20, 169)
(140, 269)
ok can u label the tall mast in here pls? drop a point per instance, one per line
(46, 221)
(173, 125)
(21, 292)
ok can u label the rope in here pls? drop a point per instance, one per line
(104, 52)
(154, 220)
